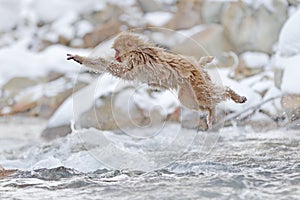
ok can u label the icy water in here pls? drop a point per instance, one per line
(232, 164)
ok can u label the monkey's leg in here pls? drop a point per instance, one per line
(234, 96)
(210, 117)
(205, 60)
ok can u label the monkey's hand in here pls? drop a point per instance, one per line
(76, 58)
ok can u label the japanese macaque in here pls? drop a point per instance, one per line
(136, 59)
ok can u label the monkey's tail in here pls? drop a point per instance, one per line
(234, 96)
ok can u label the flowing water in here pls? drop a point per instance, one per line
(231, 164)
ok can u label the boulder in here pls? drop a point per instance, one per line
(52, 133)
(149, 5)
(101, 33)
(36, 99)
(188, 15)
(294, 2)
(111, 104)
(16, 84)
(212, 11)
(291, 105)
(251, 28)
(209, 41)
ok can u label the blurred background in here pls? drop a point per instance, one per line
(256, 44)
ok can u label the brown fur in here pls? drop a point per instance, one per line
(143, 61)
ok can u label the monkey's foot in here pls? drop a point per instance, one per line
(76, 58)
(242, 99)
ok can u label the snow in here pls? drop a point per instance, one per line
(289, 38)
(17, 60)
(252, 97)
(83, 27)
(262, 86)
(158, 18)
(255, 59)
(290, 79)
(64, 26)
(48, 163)
(166, 101)
(9, 14)
(55, 9)
(65, 113)
(273, 106)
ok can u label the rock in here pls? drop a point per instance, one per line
(106, 107)
(38, 100)
(210, 41)
(119, 111)
(101, 33)
(51, 133)
(294, 2)
(188, 15)
(254, 29)
(259, 122)
(250, 63)
(291, 105)
(15, 85)
(111, 12)
(212, 11)
(5, 173)
(105, 116)
(149, 5)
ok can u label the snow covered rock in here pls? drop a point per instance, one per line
(149, 5)
(108, 104)
(254, 27)
(290, 84)
(289, 39)
(286, 64)
(250, 63)
(35, 97)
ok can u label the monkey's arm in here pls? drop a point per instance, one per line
(93, 64)
(101, 65)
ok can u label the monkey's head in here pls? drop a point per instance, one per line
(127, 42)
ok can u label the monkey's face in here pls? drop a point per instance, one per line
(117, 55)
